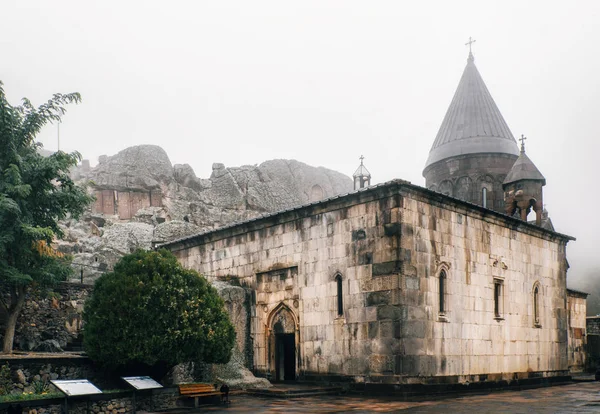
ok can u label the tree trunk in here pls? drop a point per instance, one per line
(13, 311)
(9, 332)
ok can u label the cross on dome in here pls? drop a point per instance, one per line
(470, 43)
(522, 139)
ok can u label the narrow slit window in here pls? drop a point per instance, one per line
(498, 298)
(442, 291)
(484, 197)
(536, 305)
(340, 300)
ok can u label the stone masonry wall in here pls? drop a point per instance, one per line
(157, 400)
(292, 267)
(389, 251)
(25, 372)
(469, 338)
(576, 303)
(462, 177)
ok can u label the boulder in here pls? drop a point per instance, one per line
(174, 229)
(142, 167)
(184, 175)
(124, 238)
(20, 377)
(49, 345)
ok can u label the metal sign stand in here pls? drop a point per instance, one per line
(73, 388)
(140, 383)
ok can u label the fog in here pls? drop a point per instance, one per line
(318, 81)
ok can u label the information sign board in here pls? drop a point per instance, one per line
(76, 387)
(142, 383)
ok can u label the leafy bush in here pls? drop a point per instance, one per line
(5, 380)
(151, 314)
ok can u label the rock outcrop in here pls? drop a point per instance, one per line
(236, 373)
(143, 167)
(141, 199)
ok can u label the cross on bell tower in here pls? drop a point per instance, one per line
(522, 139)
(522, 187)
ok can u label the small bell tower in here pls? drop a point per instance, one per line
(362, 176)
(523, 188)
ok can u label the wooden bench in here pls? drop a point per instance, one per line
(196, 391)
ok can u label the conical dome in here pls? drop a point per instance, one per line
(524, 169)
(473, 123)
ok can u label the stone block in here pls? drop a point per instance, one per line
(373, 329)
(409, 270)
(386, 268)
(379, 298)
(381, 364)
(392, 229)
(414, 329)
(386, 329)
(388, 312)
(412, 283)
(397, 329)
(370, 313)
(405, 255)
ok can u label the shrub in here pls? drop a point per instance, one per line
(151, 314)
(5, 380)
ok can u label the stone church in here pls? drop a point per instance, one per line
(461, 282)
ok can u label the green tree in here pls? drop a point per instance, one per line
(35, 193)
(151, 314)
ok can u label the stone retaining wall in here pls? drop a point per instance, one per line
(122, 404)
(51, 321)
(25, 372)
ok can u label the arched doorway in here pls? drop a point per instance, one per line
(282, 344)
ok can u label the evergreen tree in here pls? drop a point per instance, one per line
(35, 193)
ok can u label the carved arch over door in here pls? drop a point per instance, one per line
(283, 354)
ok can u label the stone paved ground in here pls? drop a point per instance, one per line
(572, 398)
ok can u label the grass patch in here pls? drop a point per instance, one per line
(29, 397)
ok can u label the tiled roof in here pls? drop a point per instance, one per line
(361, 171)
(473, 122)
(569, 290)
(524, 169)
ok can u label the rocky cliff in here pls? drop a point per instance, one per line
(142, 198)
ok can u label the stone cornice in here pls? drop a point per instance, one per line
(372, 193)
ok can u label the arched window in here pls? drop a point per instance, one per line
(536, 305)
(340, 300)
(442, 291)
(484, 197)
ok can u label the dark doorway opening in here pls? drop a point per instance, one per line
(285, 357)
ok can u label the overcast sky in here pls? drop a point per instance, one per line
(318, 81)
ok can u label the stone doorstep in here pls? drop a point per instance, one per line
(583, 377)
(294, 391)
